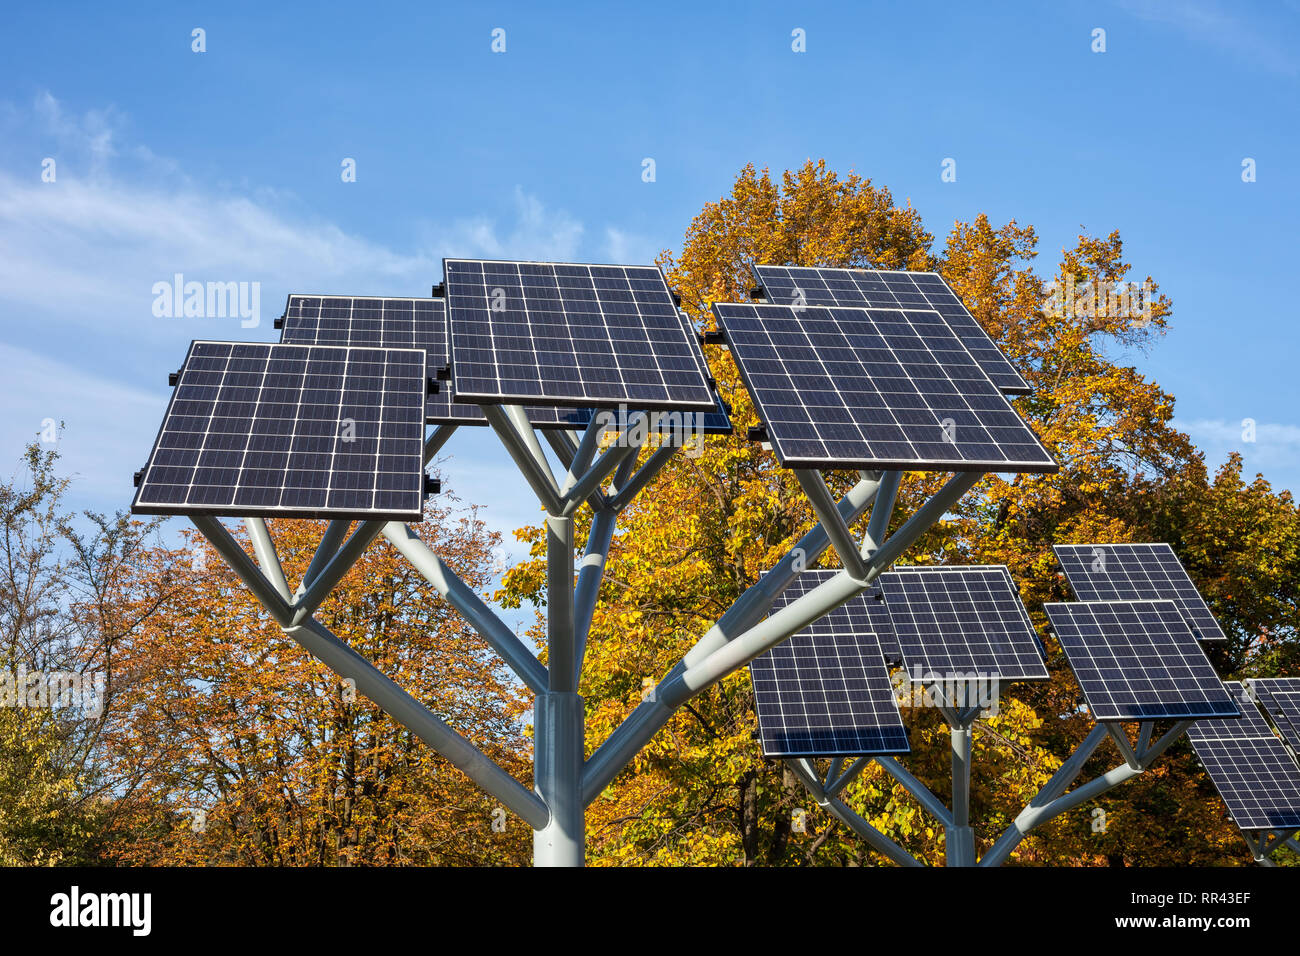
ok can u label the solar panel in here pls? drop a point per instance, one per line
(569, 334)
(291, 431)
(1280, 697)
(1254, 774)
(861, 615)
(1120, 572)
(1138, 660)
(826, 691)
(955, 622)
(391, 322)
(874, 388)
(882, 288)
(717, 422)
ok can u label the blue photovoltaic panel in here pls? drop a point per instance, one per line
(1138, 660)
(1121, 572)
(391, 322)
(1256, 777)
(291, 431)
(826, 690)
(570, 334)
(1281, 699)
(716, 422)
(881, 288)
(864, 614)
(957, 621)
(874, 388)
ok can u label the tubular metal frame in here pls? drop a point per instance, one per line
(1050, 801)
(563, 782)
(1262, 843)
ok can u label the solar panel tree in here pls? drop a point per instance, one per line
(961, 632)
(1254, 768)
(327, 424)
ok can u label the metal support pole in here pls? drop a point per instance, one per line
(590, 482)
(538, 475)
(833, 771)
(561, 646)
(587, 591)
(646, 474)
(524, 429)
(580, 458)
(561, 443)
(559, 717)
(335, 654)
(243, 565)
(558, 439)
(333, 573)
(1144, 737)
(264, 548)
(437, 438)
(837, 784)
(837, 529)
(959, 843)
(933, 805)
(1054, 787)
(854, 821)
(755, 602)
(1274, 840)
(881, 511)
(1123, 744)
(1163, 744)
(828, 595)
(622, 476)
(334, 534)
(689, 678)
(1045, 806)
(558, 731)
(518, 657)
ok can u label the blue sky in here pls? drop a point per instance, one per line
(225, 166)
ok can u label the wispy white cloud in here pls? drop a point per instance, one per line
(85, 251)
(536, 233)
(88, 248)
(79, 247)
(621, 246)
(1245, 32)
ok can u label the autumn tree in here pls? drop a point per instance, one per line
(701, 792)
(55, 655)
(248, 751)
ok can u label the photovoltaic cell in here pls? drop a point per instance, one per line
(1256, 777)
(391, 322)
(881, 288)
(874, 388)
(956, 621)
(826, 691)
(864, 614)
(570, 334)
(291, 431)
(1138, 660)
(1121, 572)
(1280, 697)
(717, 422)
